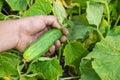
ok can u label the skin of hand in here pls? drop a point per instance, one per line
(22, 32)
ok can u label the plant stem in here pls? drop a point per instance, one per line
(108, 11)
(117, 21)
(59, 52)
(5, 11)
(31, 2)
(69, 78)
(14, 16)
(18, 70)
(28, 3)
(68, 41)
(100, 34)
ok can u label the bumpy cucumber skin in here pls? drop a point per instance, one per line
(41, 45)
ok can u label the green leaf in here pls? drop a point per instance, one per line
(105, 58)
(17, 4)
(118, 7)
(1, 4)
(91, 40)
(8, 64)
(80, 19)
(59, 12)
(114, 32)
(2, 16)
(87, 73)
(82, 2)
(94, 13)
(79, 31)
(73, 53)
(113, 9)
(50, 68)
(40, 7)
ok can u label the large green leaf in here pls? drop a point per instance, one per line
(59, 12)
(49, 67)
(40, 7)
(87, 73)
(105, 58)
(73, 53)
(8, 64)
(79, 31)
(94, 13)
(17, 4)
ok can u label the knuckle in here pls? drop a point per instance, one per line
(54, 17)
(65, 31)
(63, 39)
(57, 44)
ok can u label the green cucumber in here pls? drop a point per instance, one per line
(41, 45)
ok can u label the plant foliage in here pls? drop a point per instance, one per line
(91, 51)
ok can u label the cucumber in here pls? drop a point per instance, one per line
(41, 45)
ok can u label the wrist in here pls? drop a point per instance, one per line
(9, 31)
(22, 35)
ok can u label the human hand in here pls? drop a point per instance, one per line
(31, 28)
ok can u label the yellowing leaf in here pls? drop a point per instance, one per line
(60, 2)
(67, 3)
(6, 78)
(59, 12)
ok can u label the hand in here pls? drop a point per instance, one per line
(23, 32)
(32, 27)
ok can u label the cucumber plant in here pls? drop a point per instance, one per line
(90, 52)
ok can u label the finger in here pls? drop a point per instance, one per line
(52, 49)
(65, 31)
(46, 29)
(63, 39)
(57, 43)
(49, 27)
(52, 20)
(38, 35)
(33, 24)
